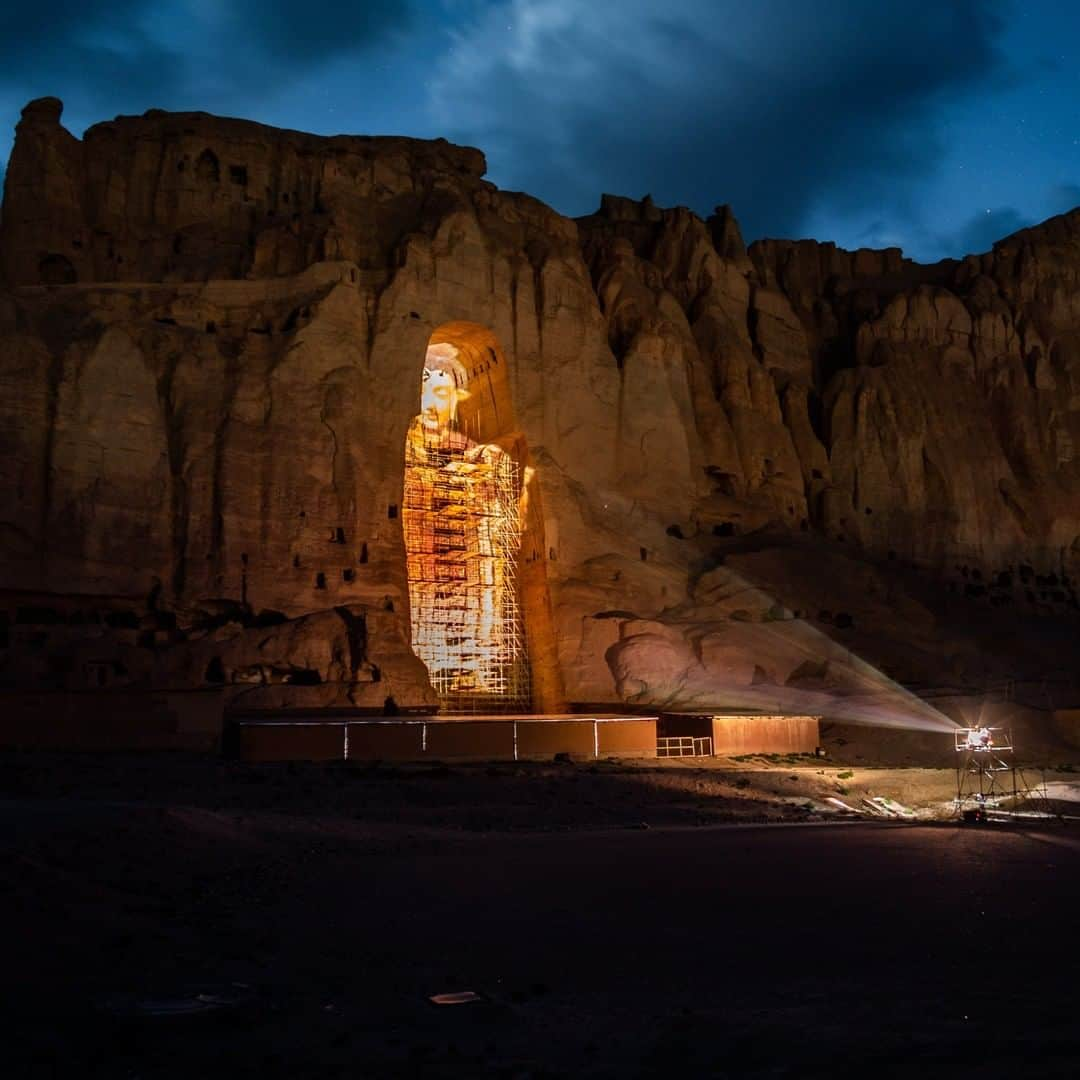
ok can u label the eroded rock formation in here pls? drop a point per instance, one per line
(763, 473)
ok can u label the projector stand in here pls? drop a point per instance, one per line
(987, 776)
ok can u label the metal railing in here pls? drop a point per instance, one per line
(684, 746)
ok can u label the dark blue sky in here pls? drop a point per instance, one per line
(935, 125)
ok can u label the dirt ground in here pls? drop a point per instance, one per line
(635, 918)
(915, 769)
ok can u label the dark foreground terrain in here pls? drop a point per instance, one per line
(610, 928)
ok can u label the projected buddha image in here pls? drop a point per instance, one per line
(442, 386)
(462, 536)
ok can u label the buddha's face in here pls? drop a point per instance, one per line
(438, 399)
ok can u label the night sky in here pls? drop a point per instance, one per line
(933, 125)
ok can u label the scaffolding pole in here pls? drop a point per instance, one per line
(988, 780)
(462, 528)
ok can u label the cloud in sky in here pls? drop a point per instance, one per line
(135, 54)
(314, 31)
(983, 228)
(98, 47)
(1066, 195)
(876, 123)
(773, 106)
(241, 57)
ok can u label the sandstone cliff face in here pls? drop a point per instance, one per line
(211, 334)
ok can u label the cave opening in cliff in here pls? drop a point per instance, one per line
(472, 530)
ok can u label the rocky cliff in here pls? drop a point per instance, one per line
(784, 473)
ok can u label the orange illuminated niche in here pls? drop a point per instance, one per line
(479, 610)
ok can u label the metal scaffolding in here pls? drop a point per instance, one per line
(988, 779)
(462, 538)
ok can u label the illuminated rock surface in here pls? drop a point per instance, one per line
(751, 464)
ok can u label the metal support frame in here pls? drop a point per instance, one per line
(987, 776)
(668, 746)
(462, 526)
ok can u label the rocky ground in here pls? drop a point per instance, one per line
(171, 916)
(915, 769)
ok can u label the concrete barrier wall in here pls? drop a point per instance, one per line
(413, 740)
(630, 738)
(546, 738)
(480, 739)
(171, 720)
(734, 735)
(291, 742)
(109, 721)
(386, 742)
